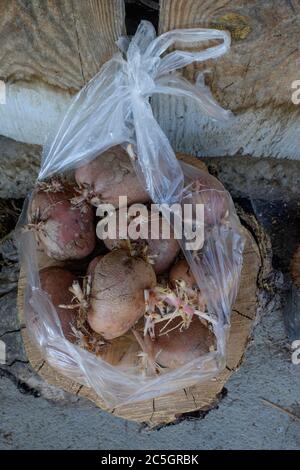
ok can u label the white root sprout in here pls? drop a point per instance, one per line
(85, 337)
(86, 196)
(163, 304)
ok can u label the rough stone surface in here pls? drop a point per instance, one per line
(9, 272)
(19, 165)
(264, 178)
(241, 421)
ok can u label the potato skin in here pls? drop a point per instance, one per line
(177, 348)
(117, 293)
(215, 206)
(92, 266)
(55, 282)
(162, 251)
(111, 175)
(208, 191)
(182, 271)
(68, 232)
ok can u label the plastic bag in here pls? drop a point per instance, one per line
(114, 108)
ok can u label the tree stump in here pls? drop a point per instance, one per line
(204, 396)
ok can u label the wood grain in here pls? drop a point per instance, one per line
(203, 396)
(254, 79)
(61, 43)
(49, 50)
(264, 58)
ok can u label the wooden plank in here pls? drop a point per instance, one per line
(202, 396)
(251, 74)
(49, 50)
(253, 80)
(60, 43)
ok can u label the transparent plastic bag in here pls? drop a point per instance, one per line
(114, 109)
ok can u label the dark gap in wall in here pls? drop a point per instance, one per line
(137, 10)
(10, 210)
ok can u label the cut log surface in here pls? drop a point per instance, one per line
(203, 396)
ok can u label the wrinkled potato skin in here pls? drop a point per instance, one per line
(55, 282)
(117, 293)
(111, 175)
(68, 231)
(177, 348)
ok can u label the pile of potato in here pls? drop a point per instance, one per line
(103, 291)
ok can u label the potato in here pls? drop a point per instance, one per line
(92, 266)
(161, 252)
(64, 231)
(109, 176)
(182, 271)
(215, 206)
(56, 282)
(210, 192)
(117, 293)
(177, 348)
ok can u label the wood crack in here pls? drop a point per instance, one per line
(242, 314)
(153, 409)
(194, 400)
(79, 389)
(40, 367)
